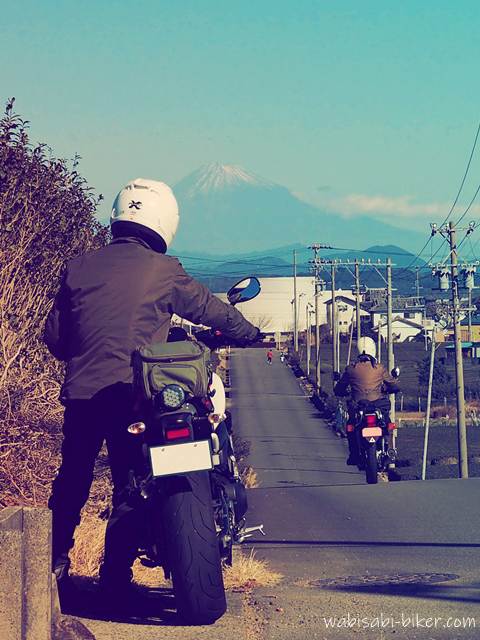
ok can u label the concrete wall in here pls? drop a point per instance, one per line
(25, 574)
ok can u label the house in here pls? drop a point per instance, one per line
(379, 314)
(346, 312)
(475, 333)
(403, 329)
(469, 350)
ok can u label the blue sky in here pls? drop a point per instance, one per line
(358, 106)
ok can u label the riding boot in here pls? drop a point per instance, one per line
(121, 545)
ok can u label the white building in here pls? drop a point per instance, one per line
(346, 311)
(272, 310)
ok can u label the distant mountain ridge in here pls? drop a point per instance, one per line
(221, 272)
(282, 256)
(227, 209)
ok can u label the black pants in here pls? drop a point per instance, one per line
(87, 424)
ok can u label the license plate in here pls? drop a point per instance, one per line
(181, 458)
(371, 432)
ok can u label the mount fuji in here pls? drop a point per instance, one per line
(226, 209)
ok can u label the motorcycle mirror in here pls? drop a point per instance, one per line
(244, 290)
(395, 372)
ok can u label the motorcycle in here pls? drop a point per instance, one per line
(188, 483)
(372, 431)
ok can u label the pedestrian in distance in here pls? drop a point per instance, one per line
(269, 356)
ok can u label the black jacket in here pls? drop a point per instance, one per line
(120, 297)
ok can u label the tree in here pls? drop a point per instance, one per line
(262, 322)
(47, 215)
(442, 380)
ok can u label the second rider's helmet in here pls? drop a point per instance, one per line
(366, 347)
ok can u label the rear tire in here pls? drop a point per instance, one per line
(371, 469)
(191, 546)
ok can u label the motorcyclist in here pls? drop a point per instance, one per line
(368, 383)
(111, 301)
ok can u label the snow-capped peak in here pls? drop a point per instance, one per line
(216, 176)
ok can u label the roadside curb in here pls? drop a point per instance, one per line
(29, 605)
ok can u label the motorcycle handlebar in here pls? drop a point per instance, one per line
(215, 339)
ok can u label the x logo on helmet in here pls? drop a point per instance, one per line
(135, 205)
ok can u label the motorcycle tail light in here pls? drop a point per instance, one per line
(177, 434)
(371, 420)
(350, 428)
(392, 426)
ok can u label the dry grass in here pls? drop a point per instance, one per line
(247, 571)
(249, 477)
(29, 457)
(87, 554)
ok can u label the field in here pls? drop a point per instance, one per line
(442, 454)
(409, 357)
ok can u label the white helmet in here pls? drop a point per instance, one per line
(366, 346)
(149, 203)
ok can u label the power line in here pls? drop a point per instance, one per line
(469, 206)
(464, 178)
(456, 197)
(261, 264)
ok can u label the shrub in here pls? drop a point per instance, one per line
(47, 215)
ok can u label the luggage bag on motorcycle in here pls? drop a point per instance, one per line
(184, 363)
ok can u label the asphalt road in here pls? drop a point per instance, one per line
(393, 560)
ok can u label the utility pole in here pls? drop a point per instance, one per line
(334, 320)
(357, 299)
(295, 310)
(379, 341)
(417, 281)
(316, 270)
(390, 355)
(349, 353)
(462, 427)
(449, 232)
(469, 315)
(317, 334)
(308, 334)
(429, 403)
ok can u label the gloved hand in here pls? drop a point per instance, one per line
(215, 339)
(245, 342)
